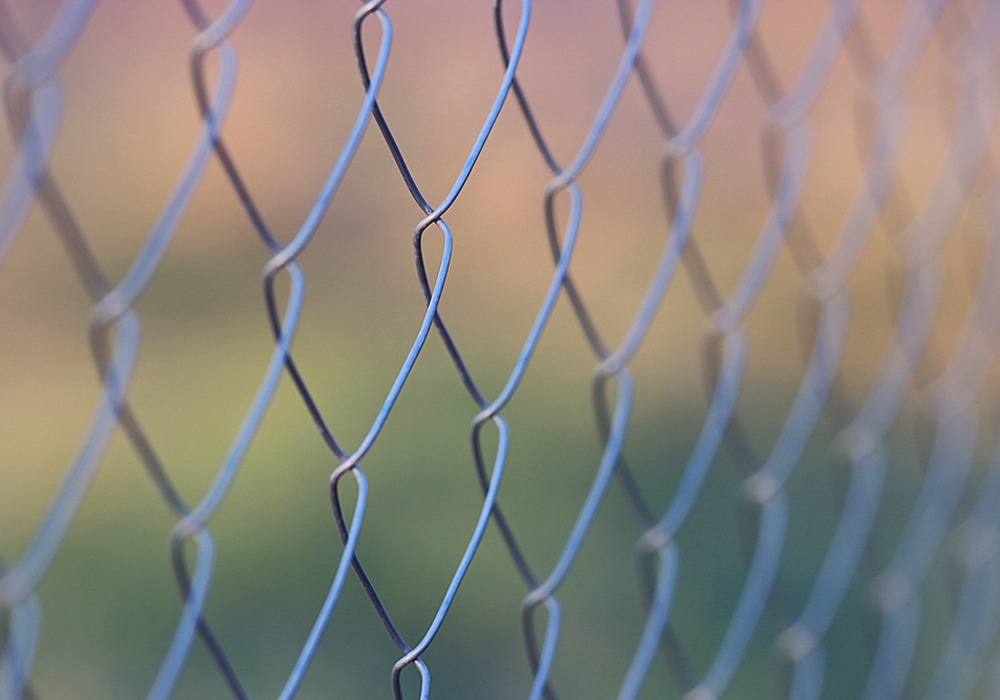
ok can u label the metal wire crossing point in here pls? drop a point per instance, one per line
(569, 350)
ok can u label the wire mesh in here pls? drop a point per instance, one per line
(685, 387)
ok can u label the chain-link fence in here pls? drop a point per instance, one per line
(637, 349)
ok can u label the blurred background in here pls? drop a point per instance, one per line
(129, 122)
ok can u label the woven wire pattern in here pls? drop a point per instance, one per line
(690, 392)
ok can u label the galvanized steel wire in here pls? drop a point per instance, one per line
(958, 393)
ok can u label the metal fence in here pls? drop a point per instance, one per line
(714, 283)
